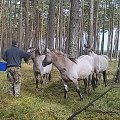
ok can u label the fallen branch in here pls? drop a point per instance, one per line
(103, 112)
(89, 104)
(113, 85)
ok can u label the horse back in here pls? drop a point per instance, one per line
(85, 66)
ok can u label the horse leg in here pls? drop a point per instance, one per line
(77, 89)
(36, 79)
(85, 84)
(93, 82)
(97, 79)
(105, 78)
(89, 83)
(42, 80)
(65, 89)
(49, 76)
(46, 78)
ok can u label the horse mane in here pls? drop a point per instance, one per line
(31, 47)
(63, 54)
(106, 57)
(73, 60)
(57, 52)
(36, 50)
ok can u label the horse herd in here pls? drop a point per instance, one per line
(86, 67)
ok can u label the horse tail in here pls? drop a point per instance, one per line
(106, 57)
(73, 60)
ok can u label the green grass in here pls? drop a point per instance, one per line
(50, 104)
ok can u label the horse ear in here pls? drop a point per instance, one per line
(38, 51)
(65, 55)
(31, 49)
(92, 49)
(86, 46)
(92, 46)
(47, 50)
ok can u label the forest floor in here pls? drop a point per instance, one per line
(50, 103)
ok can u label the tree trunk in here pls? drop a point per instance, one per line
(42, 19)
(90, 24)
(96, 9)
(74, 28)
(119, 69)
(14, 29)
(61, 26)
(118, 33)
(21, 26)
(81, 32)
(51, 24)
(117, 79)
(67, 34)
(103, 29)
(26, 43)
(58, 26)
(10, 22)
(111, 31)
(1, 26)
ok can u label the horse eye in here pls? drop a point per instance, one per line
(47, 53)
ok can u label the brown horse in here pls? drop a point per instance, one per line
(81, 68)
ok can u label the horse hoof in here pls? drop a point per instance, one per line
(93, 87)
(96, 86)
(81, 99)
(84, 92)
(105, 85)
(65, 96)
(36, 89)
(89, 93)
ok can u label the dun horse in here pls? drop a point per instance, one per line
(100, 63)
(44, 72)
(81, 68)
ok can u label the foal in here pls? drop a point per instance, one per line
(44, 72)
(81, 68)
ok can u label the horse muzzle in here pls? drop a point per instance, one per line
(44, 64)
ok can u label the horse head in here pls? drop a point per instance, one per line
(88, 49)
(48, 58)
(52, 55)
(34, 52)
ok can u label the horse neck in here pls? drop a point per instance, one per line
(93, 54)
(37, 60)
(61, 62)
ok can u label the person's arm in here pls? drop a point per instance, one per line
(4, 57)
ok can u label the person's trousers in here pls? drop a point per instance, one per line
(14, 79)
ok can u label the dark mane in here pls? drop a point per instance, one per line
(63, 54)
(58, 52)
(31, 47)
(73, 60)
(36, 50)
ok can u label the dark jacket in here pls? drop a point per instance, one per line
(13, 56)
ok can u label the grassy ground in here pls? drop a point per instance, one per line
(50, 104)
